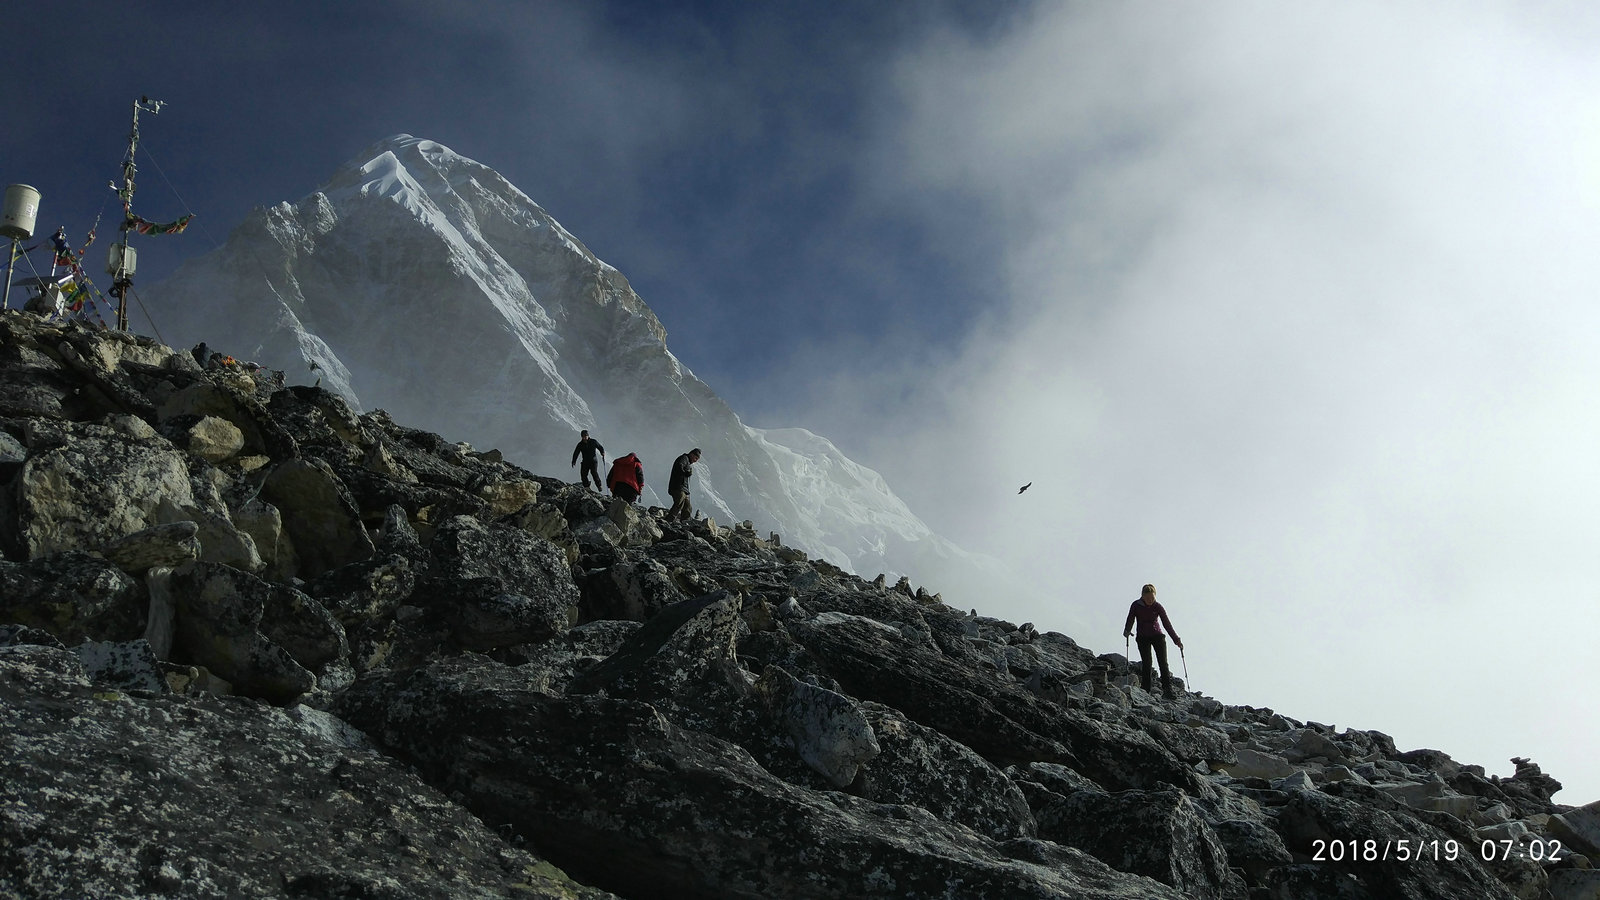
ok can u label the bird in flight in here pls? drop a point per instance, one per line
(1025, 487)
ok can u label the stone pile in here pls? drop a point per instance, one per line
(255, 644)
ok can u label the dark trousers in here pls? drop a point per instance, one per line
(1159, 643)
(587, 468)
(624, 491)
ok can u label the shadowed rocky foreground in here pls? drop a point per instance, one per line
(261, 646)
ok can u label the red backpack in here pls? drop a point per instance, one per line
(629, 471)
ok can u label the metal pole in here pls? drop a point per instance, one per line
(11, 268)
(1185, 668)
(122, 279)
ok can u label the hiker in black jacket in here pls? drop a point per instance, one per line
(678, 484)
(588, 446)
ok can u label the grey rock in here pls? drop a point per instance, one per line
(124, 665)
(1431, 795)
(1340, 773)
(630, 588)
(1255, 764)
(687, 647)
(918, 766)
(1298, 781)
(73, 595)
(1312, 816)
(705, 811)
(518, 561)
(367, 590)
(95, 487)
(219, 612)
(1578, 828)
(167, 546)
(1193, 744)
(1253, 846)
(828, 729)
(1575, 884)
(319, 516)
(215, 439)
(218, 798)
(489, 619)
(1154, 833)
(12, 452)
(264, 524)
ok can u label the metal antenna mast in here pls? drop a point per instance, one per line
(123, 260)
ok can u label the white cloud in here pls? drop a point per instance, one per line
(1298, 321)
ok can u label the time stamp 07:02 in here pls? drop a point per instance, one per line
(1410, 850)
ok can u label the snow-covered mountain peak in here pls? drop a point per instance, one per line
(423, 282)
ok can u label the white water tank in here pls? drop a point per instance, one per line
(22, 207)
(122, 261)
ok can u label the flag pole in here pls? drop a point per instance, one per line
(122, 262)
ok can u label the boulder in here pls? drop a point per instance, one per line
(918, 766)
(318, 514)
(124, 665)
(632, 588)
(1294, 781)
(95, 487)
(74, 595)
(638, 529)
(519, 562)
(1432, 795)
(167, 545)
(507, 497)
(367, 590)
(828, 729)
(1154, 833)
(1252, 845)
(1255, 764)
(215, 439)
(490, 618)
(264, 524)
(685, 651)
(12, 453)
(1193, 743)
(1579, 828)
(1002, 721)
(219, 611)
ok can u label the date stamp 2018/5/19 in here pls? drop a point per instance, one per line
(1372, 850)
(1416, 850)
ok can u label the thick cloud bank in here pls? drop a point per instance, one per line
(1295, 317)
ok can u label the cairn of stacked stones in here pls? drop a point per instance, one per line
(255, 644)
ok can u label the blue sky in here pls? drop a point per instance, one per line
(711, 151)
(1288, 309)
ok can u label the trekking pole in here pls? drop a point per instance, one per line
(1186, 685)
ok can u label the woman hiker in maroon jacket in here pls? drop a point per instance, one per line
(1150, 616)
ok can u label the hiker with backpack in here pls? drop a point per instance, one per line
(588, 446)
(678, 484)
(1151, 615)
(626, 478)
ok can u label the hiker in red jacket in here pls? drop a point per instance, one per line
(1150, 615)
(626, 478)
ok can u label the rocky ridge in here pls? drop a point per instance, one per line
(255, 644)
